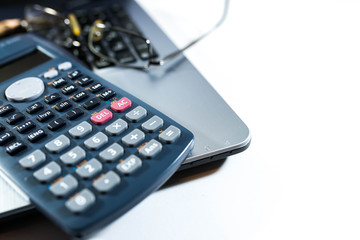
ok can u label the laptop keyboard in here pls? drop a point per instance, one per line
(124, 48)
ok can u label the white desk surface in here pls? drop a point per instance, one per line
(290, 70)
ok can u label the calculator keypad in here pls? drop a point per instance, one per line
(83, 139)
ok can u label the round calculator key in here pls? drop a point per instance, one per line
(51, 74)
(20, 91)
(64, 66)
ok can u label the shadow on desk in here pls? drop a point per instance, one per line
(33, 225)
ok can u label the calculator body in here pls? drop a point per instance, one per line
(26, 56)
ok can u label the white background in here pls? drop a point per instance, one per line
(290, 70)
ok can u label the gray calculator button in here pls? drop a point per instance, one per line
(133, 138)
(20, 91)
(33, 160)
(65, 186)
(136, 114)
(129, 165)
(73, 156)
(116, 127)
(150, 149)
(81, 201)
(152, 124)
(48, 172)
(89, 169)
(170, 134)
(81, 130)
(96, 141)
(58, 144)
(107, 182)
(112, 153)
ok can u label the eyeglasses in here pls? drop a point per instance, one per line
(39, 18)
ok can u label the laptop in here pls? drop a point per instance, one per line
(177, 89)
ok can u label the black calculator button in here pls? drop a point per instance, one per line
(6, 110)
(84, 81)
(15, 148)
(15, 118)
(37, 135)
(69, 89)
(34, 108)
(43, 117)
(96, 87)
(60, 107)
(56, 124)
(27, 126)
(59, 83)
(6, 138)
(91, 104)
(2, 128)
(107, 94)
(52, 98)
(80, 96)
(74, 75)
(74, 114)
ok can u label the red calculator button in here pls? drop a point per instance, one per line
(102, 117)
(121, 105)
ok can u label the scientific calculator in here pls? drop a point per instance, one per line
(82, 149)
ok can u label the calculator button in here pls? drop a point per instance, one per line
(112, 153)
(15, 118)
(136, 114)
(74, 114)
(96, 87)
(133, 138)
(89, 169)
(107, 182)
(15, 148)
(74, 156)
(58, 144)
(80, 96)
(170, 134)
(150, 149)
(152, 124)
(51, 74)
(121, 105)
(6, 110)
(52, 98)
(60, 107)
(6, 138)
(84, 81)
(56, 124)
(34, 108)
(48, 172)
(81, 130)
(96, 141)
(69, 89)
(59, 83)
(64, 66)
(116, 127)
(107, 94)
(25, 90)
(43, 117)
(102, 117)
(64, 187)
(27, 126)
(74, 75)
(33, 160)
(81, 201)
(91, 104)
(37, 135)
(129, 165)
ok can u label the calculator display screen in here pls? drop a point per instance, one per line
(22, 64)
